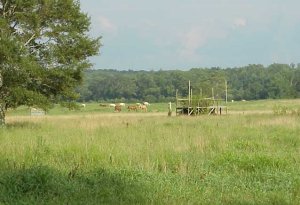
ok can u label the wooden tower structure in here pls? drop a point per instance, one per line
(196, 105)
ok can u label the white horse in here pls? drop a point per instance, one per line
(146, 103)
(143, 108)
(112, 105)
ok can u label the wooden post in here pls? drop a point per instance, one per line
(189, 97)
(226, 92)
(189, 92)
(170, 109)
(176, 103)
(192, 99)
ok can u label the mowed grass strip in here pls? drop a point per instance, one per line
(150, 159)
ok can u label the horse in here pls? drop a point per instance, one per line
(118, 108)
(132, 107)
(143, 107)
(103, 105)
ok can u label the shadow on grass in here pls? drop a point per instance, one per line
(27, 125)
(43, 185)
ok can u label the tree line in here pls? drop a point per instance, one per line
(250, 82)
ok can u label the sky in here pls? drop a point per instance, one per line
(185, 34)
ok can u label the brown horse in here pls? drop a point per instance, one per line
(132, 107)
(103, 105)
(118, 108)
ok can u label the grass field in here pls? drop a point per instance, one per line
(96, 156)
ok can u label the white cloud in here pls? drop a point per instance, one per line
(240, 22)
(192, 40)
(198, 37)
(106, 25)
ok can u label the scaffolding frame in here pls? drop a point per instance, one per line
(190, 106)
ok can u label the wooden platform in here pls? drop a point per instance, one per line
(211, 110)
(199, 105)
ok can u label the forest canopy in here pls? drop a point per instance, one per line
(252, 82)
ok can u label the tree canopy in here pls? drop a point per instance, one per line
(44, 49)
(250, 82)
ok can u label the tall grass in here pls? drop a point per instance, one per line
(150, 159)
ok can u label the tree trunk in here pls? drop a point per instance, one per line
(2, 115)
(2, 106)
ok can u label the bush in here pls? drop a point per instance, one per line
(280, 110)
(295, 112)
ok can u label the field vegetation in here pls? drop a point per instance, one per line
(96, 156)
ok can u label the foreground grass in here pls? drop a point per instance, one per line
(150, 159)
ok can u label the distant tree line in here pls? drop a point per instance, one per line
(251, 82)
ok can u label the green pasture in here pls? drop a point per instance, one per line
(95, 108)
(96, 156)
(91, 108)
(263, 105)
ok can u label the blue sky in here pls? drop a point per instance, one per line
(184, 34)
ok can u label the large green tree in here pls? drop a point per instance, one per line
(44, 47)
